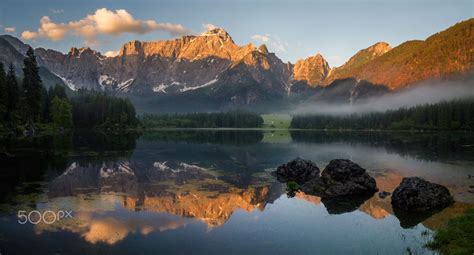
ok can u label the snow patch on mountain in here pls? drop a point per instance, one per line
(161, 166)
(122, 168)
(124, 86)
(162, 87)
(105, 80)
(70, 168)
(67, 82)
(199, 86)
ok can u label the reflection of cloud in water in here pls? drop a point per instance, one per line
(114, 227)
(107, 230)
(111, 230)
(161, 213)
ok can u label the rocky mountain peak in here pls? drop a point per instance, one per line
(221, 33)
(263, 49)
(313, 70)
(131, 48)
(379, 49)
(77, 52)
(16, 43)
(367, 54)
(213, 43)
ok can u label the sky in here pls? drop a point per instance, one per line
(293, 29)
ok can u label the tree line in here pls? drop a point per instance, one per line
(94, 109)
(453, 115)
(233, 119)
(27, 106)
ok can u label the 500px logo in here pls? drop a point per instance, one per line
(47, 217)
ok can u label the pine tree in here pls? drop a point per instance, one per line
(13, 94)
(3, 91)
(61, 113)
(58, 91)
(32, 86)
(45, 105)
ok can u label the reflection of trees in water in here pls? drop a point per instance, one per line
(38, 159)
(105, 144)
(234, 137)
(425, 146)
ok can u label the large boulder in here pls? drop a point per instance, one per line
(297, 170)
(342, 177)
(418, 195)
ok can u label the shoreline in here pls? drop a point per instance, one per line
(306, 130)
(3, 135)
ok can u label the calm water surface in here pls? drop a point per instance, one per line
(203, 192)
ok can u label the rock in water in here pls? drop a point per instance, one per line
(384, 194)
(342, 177)
(297, 170)
(417, 195)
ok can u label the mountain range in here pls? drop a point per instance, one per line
(212, 72)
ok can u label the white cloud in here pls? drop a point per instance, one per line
(111, 53)
(27, 35)
(102, 22)
(261, 38)
(10, 30)
(209, 26)
(273, 41)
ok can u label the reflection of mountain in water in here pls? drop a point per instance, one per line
(179, 193)
(170, 187)
(192, 191)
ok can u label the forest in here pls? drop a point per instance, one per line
(453, 115)
(28, 107)
(232, 119)
(92, 109)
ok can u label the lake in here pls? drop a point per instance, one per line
(211, 192)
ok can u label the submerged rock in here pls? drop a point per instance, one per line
(418, 195)
(344, 204)
(384, 194)
(342, 177)
(297, 170)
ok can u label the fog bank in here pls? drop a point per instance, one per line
(426, 93)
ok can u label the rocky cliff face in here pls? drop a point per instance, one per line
(172, 66)
(78, 69)
(312, 70)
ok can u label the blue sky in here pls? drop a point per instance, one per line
(292, 29)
